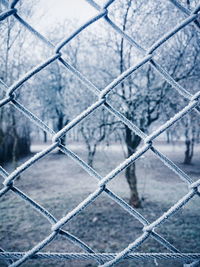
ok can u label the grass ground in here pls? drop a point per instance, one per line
(59, 184)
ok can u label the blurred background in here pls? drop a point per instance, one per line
(56, 96)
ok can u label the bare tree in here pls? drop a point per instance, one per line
(144, 97)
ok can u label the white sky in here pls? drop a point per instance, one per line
(56, 11)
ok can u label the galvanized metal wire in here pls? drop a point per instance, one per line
(149, 229)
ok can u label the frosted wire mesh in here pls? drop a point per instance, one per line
(149, 229)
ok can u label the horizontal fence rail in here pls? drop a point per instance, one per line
(149, 229)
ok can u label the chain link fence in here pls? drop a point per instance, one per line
(149, 229)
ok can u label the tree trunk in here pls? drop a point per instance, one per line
(90, 159)
(132, 142)
(189, 151)
(168, 137)
(45, 136)
(91, 154)
(132, 182)
(189, 144)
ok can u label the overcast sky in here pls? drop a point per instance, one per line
(56, 11)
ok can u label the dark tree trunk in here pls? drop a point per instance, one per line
(132, 182)
(189, 144)
(168, 137)
(91, 153)
(90, 159)
(45, 136)
(189, 151)
(132, 142)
